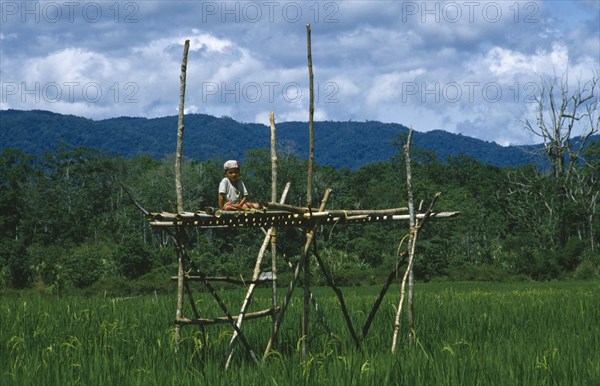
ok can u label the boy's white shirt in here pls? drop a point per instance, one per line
(232, 194)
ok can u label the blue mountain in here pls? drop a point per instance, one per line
(337, 144)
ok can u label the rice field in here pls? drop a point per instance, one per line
(466, 334)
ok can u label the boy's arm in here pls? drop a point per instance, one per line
(221, 200)
(244, 194)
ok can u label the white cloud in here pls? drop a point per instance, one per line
(392, 86)
(7, 36)
(198, 41)
(503, 62)
(427, 66)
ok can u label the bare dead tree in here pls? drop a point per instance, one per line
(585, 194)
(560, 112)
(566, 119)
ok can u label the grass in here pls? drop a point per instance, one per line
(466, 333)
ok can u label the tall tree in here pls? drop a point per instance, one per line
(15, 169)
(566, 119)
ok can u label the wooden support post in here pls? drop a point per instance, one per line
(252, 286)
(311, 128)
(223, 307)
(179, 189)
(337, 291)
(274, 230)
(318, 310)
(311, 156)
(307, 293)
(180, 128)
(375, 308)
(411, 239)
(180, 287)
(309, 238)
(416, 224)
(320, 314)
(179, 237)
(188, 290)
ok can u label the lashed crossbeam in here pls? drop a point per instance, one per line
(268, 218)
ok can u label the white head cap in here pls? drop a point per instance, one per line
(231, 164)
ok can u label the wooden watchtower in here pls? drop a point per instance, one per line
(276, 214)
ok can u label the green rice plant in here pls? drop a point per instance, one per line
(465, 333)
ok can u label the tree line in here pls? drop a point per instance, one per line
(67, 223)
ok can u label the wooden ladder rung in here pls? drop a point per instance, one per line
(224, 319)
(224, 279)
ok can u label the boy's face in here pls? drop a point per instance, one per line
(232, 174)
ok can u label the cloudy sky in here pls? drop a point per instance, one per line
(469, 67)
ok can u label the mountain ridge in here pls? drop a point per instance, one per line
(337, 143)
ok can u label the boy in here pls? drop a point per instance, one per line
(232, 191)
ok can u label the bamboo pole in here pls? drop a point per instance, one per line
(274, 230)
(287, 207)
(353, 212)
(298, 221)
(311, 129)
(318, 310)
(293, 282)
(411, 243)
(180, 285)
(340, 296)
(224, 279)
(320, 314)
(224, 319)
(180, 129)
(419, 222)
(307, 295)
(137, 204)
(411, 240)
(179, 190)
(375, 308)
(178, 237)
(274, 206)
(251, 288)
(311, 156)
(273, 159)
(188, 290)
(228, 315)
(413, 235)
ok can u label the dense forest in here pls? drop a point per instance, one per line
(68, 225)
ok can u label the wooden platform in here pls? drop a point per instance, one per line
(268, 218)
